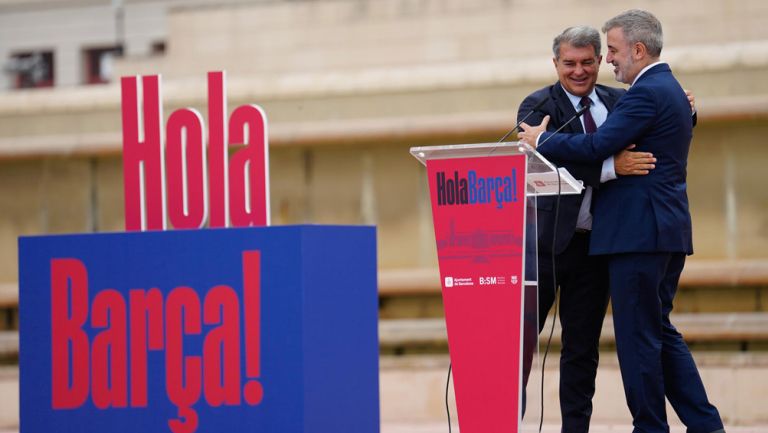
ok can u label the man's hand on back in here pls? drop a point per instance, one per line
(629, 163)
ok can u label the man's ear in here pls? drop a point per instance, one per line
(639, 50)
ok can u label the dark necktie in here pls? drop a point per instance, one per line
(589, 122)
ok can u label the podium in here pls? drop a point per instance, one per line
(484, 211)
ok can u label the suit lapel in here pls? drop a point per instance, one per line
(565, 111)
(608, 98)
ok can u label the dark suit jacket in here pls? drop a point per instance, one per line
(639, 213)
(560, 109)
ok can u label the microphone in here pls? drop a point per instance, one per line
(533, 110)
(575, 116)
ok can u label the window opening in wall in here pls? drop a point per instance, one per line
(157, 48)
(98, 64)
(31, 69)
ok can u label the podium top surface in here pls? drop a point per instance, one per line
(468, 150)
(541, 177)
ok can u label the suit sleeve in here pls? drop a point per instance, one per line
(633, 115)
(525, 107)
(587, 172)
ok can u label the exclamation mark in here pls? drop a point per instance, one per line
(514, 185)
(253, 392)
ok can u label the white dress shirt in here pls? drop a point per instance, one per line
(599, 113)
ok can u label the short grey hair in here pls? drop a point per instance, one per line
(639, 26)
(579, 37)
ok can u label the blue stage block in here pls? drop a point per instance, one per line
(220, 330)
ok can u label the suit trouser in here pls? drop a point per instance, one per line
(583, 285)
(654, 360)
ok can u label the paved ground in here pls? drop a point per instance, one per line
(596, 428)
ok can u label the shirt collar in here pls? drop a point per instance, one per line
(576, 100)
(640, 74)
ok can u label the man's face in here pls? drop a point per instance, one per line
(620, 56)
(577, 69)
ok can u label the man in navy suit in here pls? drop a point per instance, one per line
(582, 279)
(642, 225)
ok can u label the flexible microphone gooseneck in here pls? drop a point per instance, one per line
(554, 265)
(574, 117)
(533, 110)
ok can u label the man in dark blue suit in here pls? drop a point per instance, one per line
(642, 225)
(582, 279)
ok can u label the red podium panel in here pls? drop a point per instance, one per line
(478, 207)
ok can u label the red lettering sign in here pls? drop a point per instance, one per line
(100, 368)
(182, 183)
